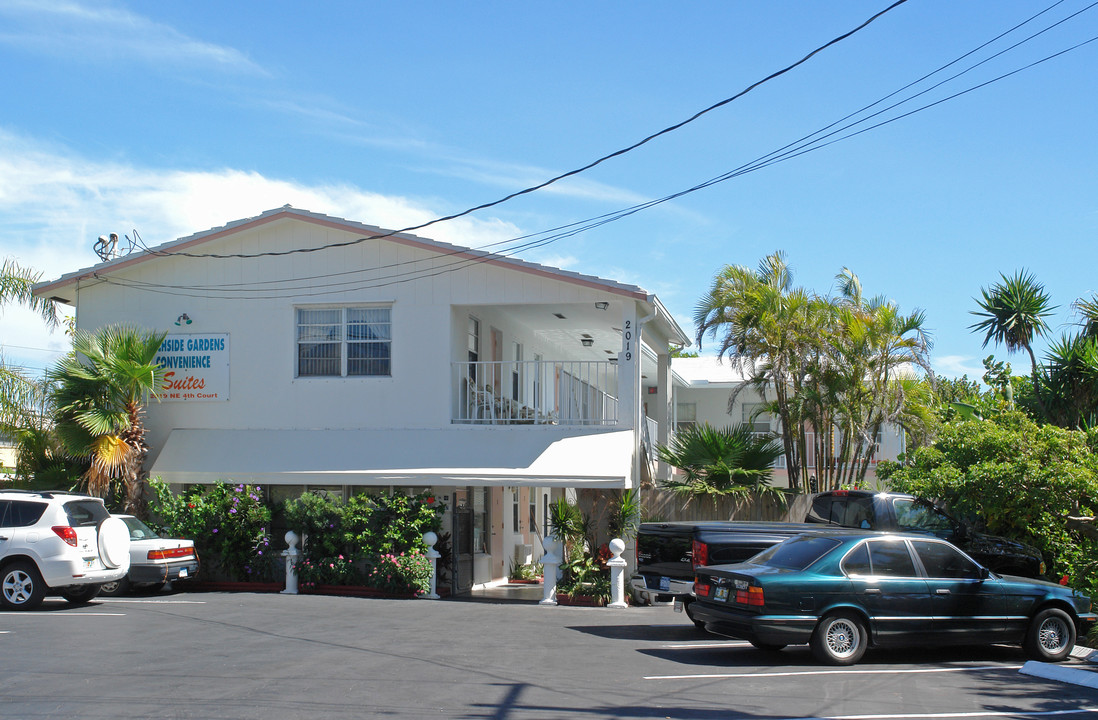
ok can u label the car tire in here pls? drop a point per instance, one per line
(21, 586)
(114, 542)
(1051, 636)
(767, 647)
(115, 588)
(81, 594)
(839, 639)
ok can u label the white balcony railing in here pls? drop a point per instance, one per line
(535, 392)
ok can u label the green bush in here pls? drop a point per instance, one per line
(228, 524)
(1021, 479)
(406, 573)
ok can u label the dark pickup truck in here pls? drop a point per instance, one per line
(667, 553)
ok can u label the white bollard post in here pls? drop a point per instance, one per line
(291, 554)
(433, 555)
(550, 561)
(617, 574)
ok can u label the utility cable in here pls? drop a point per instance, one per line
(557, 178)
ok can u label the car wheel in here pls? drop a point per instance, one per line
(1051, 636)
(118, 587)
(80, 594)
(839, 639)
(21, 587)
(767, 647)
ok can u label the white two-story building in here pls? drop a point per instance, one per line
(384, 361)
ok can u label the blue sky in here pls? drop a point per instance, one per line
(171, 118)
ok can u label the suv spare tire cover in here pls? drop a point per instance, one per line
(114, 542)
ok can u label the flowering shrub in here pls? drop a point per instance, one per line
(405, 573)
(228, 524)
(328, 571)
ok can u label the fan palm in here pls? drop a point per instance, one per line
(102, 389)
(720, 461)
(1014, 312)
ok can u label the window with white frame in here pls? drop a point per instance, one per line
(686, 415)
(756, 417)
(348, 341)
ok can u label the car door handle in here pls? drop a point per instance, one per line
(942, 591)
(872, 591)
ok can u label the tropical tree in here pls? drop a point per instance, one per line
(766, 328)
(101, 391)
(17, 284)
(1013, 314)
(720, 461)
(23, 416)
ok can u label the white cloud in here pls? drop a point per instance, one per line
(954, 366)
(54, 204)
(100, 32)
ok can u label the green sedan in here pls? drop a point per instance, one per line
(844, 591)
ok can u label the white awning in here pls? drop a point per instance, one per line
(529, 456)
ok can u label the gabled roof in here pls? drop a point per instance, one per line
(191, 243)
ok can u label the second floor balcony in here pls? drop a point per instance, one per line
(535, 392)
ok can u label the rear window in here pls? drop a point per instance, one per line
(85, 513)
(21, 513)
(796, 553)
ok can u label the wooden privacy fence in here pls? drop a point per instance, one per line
(667, 506)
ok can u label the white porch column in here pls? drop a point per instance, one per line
(617, 575)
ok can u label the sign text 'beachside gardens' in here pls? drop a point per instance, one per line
(196, 367)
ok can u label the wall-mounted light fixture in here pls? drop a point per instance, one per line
(602, 305)
(587, 342)
(183, 319)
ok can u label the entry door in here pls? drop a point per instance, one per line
(463, 550)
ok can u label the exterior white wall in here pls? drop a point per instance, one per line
(263, 390)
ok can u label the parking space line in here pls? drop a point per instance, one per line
(984, 714)
(831, 672)
(161, 602)
(707, 644)
(24, 613)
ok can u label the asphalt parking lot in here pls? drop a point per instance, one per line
(216, 655)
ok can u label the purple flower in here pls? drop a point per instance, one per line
(215, 530)
(232, 511)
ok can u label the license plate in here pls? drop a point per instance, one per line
(721, 594)
(665, 583)
(678, 605)
(89, 563)
(183, 572)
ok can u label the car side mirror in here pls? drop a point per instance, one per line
(984, 573)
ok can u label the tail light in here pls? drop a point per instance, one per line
(751, 596)
(701, 589)
(66, 533)
(171, 553)
(699, 555)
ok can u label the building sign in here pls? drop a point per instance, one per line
(196, 367)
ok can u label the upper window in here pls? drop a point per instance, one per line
(686, 415)
(945, 561)
(344, 341)
(754, 415)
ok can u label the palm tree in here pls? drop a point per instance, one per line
(766, 328)
(1014, 313)
(102, 389)
(16, 285)
(732, 460)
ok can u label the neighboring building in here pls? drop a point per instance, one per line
(391, 362)
(703, 387)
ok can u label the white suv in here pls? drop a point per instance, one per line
(57, 543)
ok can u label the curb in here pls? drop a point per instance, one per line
(1061, 673)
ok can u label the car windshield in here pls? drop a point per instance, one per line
(796, 553)
(139, 530)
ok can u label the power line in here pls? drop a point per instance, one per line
(557, 178)
(800, 147)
